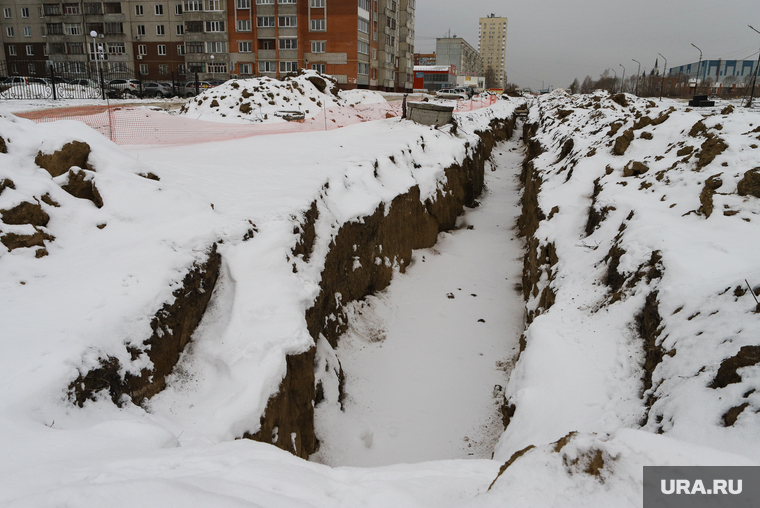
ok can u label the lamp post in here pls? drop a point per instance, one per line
(699, 65)
(638, 72)
(664, 70)
(614, 83)
(754, 76)
(622, 80)
(212, 67)
(95, 48)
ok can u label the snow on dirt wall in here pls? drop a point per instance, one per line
(104, 244)
(642, 349)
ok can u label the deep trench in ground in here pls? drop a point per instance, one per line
(426, 359)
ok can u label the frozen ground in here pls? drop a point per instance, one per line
(426, 360)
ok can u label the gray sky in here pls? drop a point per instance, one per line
(554, 41)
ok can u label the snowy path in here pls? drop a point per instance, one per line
(450, 325)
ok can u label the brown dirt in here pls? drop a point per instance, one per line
(623, 142)
(14, 241)
(6, 183)
(685, 151)
(727, 372)
(567, 147)
(173, 326)
(25, 213)
(3, 146)
(71, 154)
(635, 168)
(82, 186)
(648, 324)
(511, 461)
(710, 149)
(730, 417)
(706, 196)
(620, 99)
(245, 108)
(697, 129)
(49, 201)
(307, 233)
(750, 184)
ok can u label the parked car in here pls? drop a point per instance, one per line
(25, 87)
(125, 86)
(202, 87)
(452, 93)
(90, 83)
(156, 89)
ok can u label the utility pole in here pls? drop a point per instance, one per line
(754, 76)
(637, 76)
(664, 70)
(622, 80)
(699, 65)
(614, 82)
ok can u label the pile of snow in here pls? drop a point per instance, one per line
(642, 322)
(265, 99)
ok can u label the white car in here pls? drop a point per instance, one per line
(452, 93)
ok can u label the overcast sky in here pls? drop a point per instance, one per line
(554, 41)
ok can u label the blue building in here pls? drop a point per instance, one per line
(718, 71)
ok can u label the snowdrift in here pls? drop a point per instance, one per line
(303, 95)
(641, 221)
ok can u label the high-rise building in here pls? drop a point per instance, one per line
(361, 43)
(492, 44)
(457, 51)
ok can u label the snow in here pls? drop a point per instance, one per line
(576, 387)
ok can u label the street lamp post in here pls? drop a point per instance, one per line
(754, 76)
(699, 66)
(637, 76)
(212, 67)
(664, 70)
(622, 80)
(94, 36)
(614, 83)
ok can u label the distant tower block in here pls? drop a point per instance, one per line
(492, 44)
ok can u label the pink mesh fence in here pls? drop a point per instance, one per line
(129, 125)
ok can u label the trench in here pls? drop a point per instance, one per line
(425, 360)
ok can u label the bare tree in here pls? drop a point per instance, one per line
(588, 85)
(490, 77)
(574, 86)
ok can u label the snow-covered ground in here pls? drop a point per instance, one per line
(426, 360)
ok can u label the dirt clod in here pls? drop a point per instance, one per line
(71, 154)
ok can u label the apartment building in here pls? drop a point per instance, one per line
(492, 37)
(362, 43)
(457, 51)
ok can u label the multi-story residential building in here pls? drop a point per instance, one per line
(362, 43)
(424, 59)
(457, 51)
(492, 44)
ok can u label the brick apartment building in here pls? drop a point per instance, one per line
(362, 43)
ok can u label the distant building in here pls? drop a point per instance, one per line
(456, 51)
(719, 72)
(492, 44)
(424, 59)
(434, 77)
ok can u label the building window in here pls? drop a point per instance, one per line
(264, 21)
(139, 10)
(264, 2)
(32, 69)
(215, 26)
(9, 31)
(112, 7)
(245, 47)
(266, 66)
(245, 68)
(216, 47)
(116, 48)
(363, 25)
(244, 25)
(29, 50)
(364, 4)
(180, 29)
(281, 2)
(287, 21)
(318, 25)
(12, 49)
(71, 9)
(213, 5)
(27, 31)
(180, 49)
(318, 67)
(178, 9)
(288, 66)
(162, 50)
(160, 30)
(25, 12)
(288, 43)
(115, 28)
(363, 68)
(140, 29)
(144, 69)
(159, 9)
(194, 26)
(217, 67)
(243, 4)
(163, 69)
(318, 46)
(8, 13)
(363, 47)
(194, 47)
(72, 29)
(317, 4)
(142, 49)
(193, 5)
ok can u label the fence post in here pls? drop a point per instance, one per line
(102, 83)
(52, 82)
(197, 85)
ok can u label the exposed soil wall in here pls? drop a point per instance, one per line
(361, 261)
